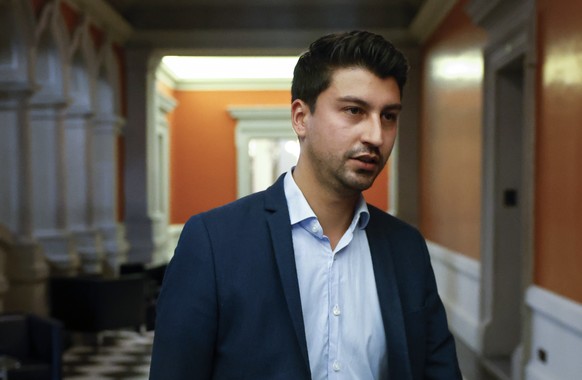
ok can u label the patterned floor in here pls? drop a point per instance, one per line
(121, 355)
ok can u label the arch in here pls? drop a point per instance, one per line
(108, 82)
(82, 71)
(51, 66)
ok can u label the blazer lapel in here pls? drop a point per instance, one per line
(280, 228)
(390, 306)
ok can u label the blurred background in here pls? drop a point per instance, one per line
(121, 118)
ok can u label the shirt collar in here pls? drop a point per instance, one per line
(299, 209)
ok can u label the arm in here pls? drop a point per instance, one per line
(186, 320)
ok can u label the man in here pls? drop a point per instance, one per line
(305, 280)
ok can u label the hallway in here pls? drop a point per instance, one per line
(107, 152)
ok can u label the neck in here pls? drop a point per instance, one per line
(334, 211)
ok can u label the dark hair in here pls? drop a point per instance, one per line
(314, 69)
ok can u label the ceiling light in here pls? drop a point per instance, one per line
(205, 68)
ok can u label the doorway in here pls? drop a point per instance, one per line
(502, 338)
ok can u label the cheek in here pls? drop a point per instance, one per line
(390, 139)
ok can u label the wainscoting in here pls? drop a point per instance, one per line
(556, 322)
(458, 280)
(556, 350)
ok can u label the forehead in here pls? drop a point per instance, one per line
(361, 82)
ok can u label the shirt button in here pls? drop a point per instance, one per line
(336, 310)
(336, 366)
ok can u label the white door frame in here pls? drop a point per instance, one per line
(511, 42)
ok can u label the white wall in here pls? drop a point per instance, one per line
(556, 334)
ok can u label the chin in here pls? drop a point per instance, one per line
(361, 186)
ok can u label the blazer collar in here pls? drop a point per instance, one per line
(277, 214)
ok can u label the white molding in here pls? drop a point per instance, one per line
(507, 233)
(257, 122)
(557, 308)
(456, 261)
(166, 103)
(557, 330)
(429, 18)
(260, 112)
(165, 76)
(234, 85)
(458, 279)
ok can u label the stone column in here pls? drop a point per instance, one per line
(81, 190)
(141, 222)
(105, 159)
(26, 266)
(50, 185)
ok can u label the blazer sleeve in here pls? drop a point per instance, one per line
(187, 311)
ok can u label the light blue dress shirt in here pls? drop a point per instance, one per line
(343, 324)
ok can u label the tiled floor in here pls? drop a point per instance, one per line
(120, 355)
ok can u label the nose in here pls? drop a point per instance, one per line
(372, 133)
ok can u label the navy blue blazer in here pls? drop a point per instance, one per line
(230, 306)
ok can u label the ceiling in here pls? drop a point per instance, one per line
(272, 25)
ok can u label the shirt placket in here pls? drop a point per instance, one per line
(334, 316)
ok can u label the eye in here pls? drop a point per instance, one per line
(352, 110)
(390, 116)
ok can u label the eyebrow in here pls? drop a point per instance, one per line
(363, 103)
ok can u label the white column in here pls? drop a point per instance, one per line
(50, 185)
(139, 221)
(80, 191)
(26, 267)
(105, 159)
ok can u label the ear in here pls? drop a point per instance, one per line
(300, 114)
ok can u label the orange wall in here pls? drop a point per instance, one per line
(559, 149)
(203, 152)
(450, 159)
(202, 148)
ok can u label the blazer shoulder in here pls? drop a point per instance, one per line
(382, 220)
(270, 200)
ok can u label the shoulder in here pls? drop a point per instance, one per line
(382, 221)
(235, 213)
(269, 200)
(404, 241)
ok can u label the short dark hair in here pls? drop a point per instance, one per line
(314, 69)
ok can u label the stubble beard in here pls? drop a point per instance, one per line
(344, 180)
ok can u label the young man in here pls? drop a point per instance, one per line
(305, 280)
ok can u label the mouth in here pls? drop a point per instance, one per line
(366, 162)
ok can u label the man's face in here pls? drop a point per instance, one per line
(348, 139)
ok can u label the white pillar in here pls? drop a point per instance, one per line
(80, 191)
(25, 265)
(50, 185)
(105, 159)
(139, 221)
